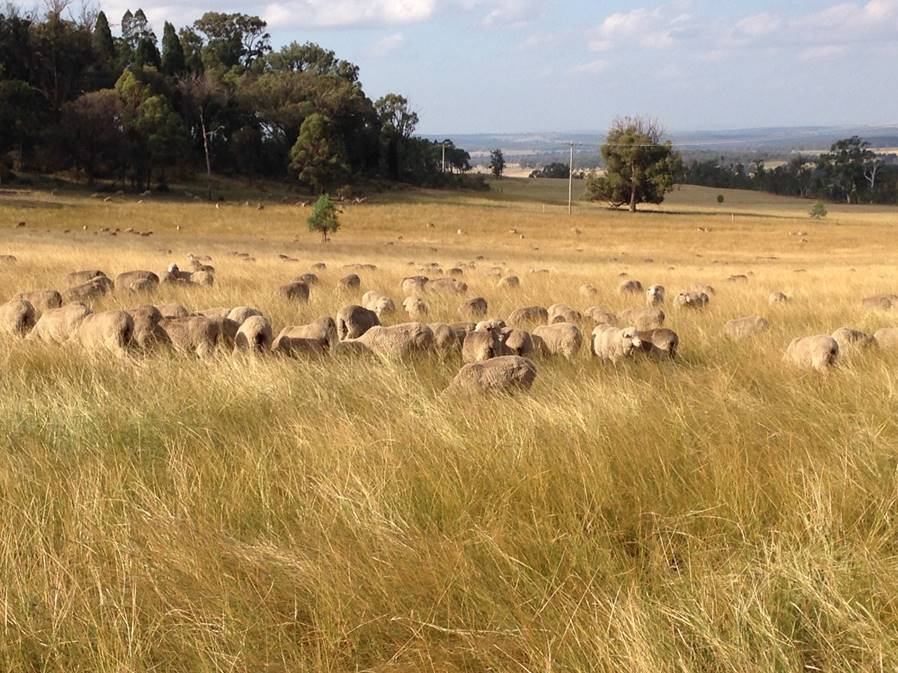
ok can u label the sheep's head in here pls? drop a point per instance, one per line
(630, 339)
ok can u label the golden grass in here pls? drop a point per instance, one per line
(724, 513)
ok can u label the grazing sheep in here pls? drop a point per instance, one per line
(296, 291)
(353, 321)
(743, 328)
(473, 308)
(174, 311)
(445, 340)
(630, 287)
(509, 282)
(887, 337)
(42, 300)
(881, 301)
(56, 325)
(517, 342)
(192, 334)
(563, 313)
(588, 291)
(600, 316)
(493, 323)
(397, 341)
(778, 298)
(703, 287)
(506, 373)
(643, 319)
(447, 285)
(254, 335)
(528, 316)
(226, 330)
(80, 277)
(197, 265)
(562, 338)
(379, 303)
(203, 278)
(307, 278)
(106, 330)
(319, 266)
(415, 307)
(413, 285)
(697, 300)
(17, 316)
(659, 343)
(482, 344)
(350, 282)
(241, 314)
(220, 312)
(654, 296)
(850, 339)
(316, 337)
(92, 289)
(136, 281)
(738, 278)
(173, 274)
(147, 332)
(611, 343)
(813, 352)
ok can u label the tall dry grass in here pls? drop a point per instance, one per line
(724, 513)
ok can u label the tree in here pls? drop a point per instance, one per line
(173, 61)
(397, 124)
(95, 135)
(497, 163)
(318, 155)
(639, 166)
(720, 199)
(324, 217)
(103, 44)
(23, 111)
(845, 166)
(232, 39)
(818, 211)
(310, 57)
(202, 93)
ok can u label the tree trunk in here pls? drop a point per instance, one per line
(208, 162)
(633, 198)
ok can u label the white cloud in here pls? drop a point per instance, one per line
(822, 53)
(387, 44)
(591, 67)
(332, 13)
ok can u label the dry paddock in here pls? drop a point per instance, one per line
(720, 513)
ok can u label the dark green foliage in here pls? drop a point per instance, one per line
(818, 211)
(497, 163)
(324, 218)
(319, 155)
(173, 61)
(555, 169)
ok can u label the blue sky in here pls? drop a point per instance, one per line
(471, 66)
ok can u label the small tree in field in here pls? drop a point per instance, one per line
(497, 163)
(818, 210)
(324, 217)
(720, 198)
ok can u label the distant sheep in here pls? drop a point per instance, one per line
(254, 335)
(612, 343)
(813, 352)
(353, 321)
(473, 308)
(507, 373)
(528, 316)
(654, 296)
(630, 287)
(17, 317)
(563, 313)
(381, 304)
(58, 324)
(778, 298)
(695, 300)
(397, 341)
(659, 343)
(316, 337)
(851, 339)
(106, 330)
(564, 339)
(642, 319)
(743, 328)
(296, 290)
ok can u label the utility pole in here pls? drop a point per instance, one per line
(570, 182)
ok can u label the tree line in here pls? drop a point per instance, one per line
(849, 172)
(137, 111)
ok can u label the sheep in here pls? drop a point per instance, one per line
(91, 289)
(413, 285)
(527, 316)
(353, 321)
(813, 352)
(611, 343)
(147, 332)
(307, 278)
(696, 300)
(630, 287)
(319, 266)
(397, 341)
(415, 307)
(563, 339)
(173, 311)
(738, 278)
(447, 285)
(316, 337)
(703, 287)
(600, 316)
(136, 281)
(506, 373)
(588, 291)
(517, 342)
(106, 330)
(173, 274)
(659, 343)
(743, 328)
(778, 298)
(254, 335)
(17, 316)
(80, 277)
(881, 301)
(643, 319)
(449, 338)
(886, 337)
(509, 283)
(56, 325)
(193, 334)
(563, 313)
(850, 339)
(296, 291)
(202, 278)
(350, 282)
(473, 308)
(219, 312)
(41, 300)
(654, 296)
(482, 344)
(380, 304)
(242, 313)
(226, 331)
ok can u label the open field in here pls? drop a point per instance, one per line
(723, 512)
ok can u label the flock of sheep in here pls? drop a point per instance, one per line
(496, 353)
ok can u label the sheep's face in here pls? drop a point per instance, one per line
(630, 338)
(655, 294)
(173, 268)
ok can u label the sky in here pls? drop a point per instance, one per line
(515, 66)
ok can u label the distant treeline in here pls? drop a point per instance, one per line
(850, 172)
(213, 96)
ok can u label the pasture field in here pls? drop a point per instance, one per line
(723, 512)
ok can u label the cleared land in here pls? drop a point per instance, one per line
(724, 512)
